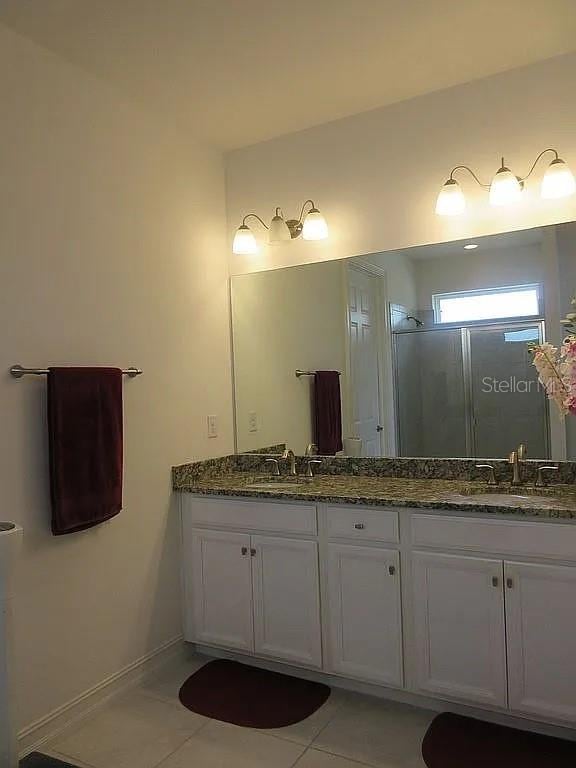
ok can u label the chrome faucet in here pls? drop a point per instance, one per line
(289, 454)
(311, 449)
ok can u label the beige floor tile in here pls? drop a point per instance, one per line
(220, 745)
(167, 683)
(313, 758)
(378, 733)
(306, 731)
(135, 731)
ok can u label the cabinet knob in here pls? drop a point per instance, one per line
(359, 526)
(510, 583)
(252, 552)
(495, 581)
(244, 551)
(391, 570)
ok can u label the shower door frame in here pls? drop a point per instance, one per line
(469, 425)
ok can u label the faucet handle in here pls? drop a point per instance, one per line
(309, 464)
(491, 473)
(540, 479)
(522, 451)
(275, 466)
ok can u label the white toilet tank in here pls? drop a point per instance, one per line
(10, 539)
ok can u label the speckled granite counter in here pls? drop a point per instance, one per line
(455, 494)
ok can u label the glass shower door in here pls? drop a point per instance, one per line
(430, 394)
(507, 404)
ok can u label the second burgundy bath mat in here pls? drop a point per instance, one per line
(454, 741)
(254, 698)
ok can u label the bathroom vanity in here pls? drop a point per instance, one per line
(434, 579)
(400, 585)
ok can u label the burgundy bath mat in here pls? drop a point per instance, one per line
(255, 698)
(453, 741)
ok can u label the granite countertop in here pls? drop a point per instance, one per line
(558, 501)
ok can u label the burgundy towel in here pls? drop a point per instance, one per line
(328, 412)
(85, 443)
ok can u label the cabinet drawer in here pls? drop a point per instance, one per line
(363, 523)
(280, 517)
(513, 537)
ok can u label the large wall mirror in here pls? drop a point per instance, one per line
(432, 344)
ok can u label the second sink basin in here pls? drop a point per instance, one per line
(509, 495)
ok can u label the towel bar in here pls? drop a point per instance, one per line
(300, 373)
(18, 371)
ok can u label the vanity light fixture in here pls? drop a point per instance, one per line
(311, 225)
(506, 188)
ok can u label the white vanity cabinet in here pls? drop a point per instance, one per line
(496, 631)
(219, 588)
(254, 593)
(365, 625)
(286, 600)
(470, 608)
(541, 633)
(459, 627)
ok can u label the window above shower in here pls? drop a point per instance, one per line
(506, 302)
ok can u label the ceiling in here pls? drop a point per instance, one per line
(237, 72)
(500, 243)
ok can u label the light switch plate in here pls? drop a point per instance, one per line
(212, 426)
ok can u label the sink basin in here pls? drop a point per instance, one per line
(519, 491)
(273, 485)
(509, 497)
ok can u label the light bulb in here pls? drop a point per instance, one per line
(451, 200)
(315, 227)
(558, 181)
(506, 188)
(244, 241)
(279, 232)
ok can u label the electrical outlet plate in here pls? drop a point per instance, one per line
(252, 421)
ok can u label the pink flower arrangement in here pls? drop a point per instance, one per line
(557, 367)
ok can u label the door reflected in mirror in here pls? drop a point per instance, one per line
(432, 345)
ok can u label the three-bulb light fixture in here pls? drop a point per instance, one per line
(311, 225)
(506, 187)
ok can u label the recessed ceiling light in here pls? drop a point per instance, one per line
(470, 246)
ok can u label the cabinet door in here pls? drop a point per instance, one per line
(286, 601)
(459, 627)
(365, 615)
(221, 590)
(541, 624)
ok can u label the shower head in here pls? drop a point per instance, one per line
(419, 323)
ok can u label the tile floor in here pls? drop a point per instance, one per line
(148, 727)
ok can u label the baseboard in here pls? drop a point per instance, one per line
(51, 725)
(394, 694)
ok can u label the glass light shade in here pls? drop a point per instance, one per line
(558, 181)
(315, 227)
(505, 188)
(244, 241)
(279, 232)
(451, 200)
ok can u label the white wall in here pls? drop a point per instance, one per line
(285, 320)
(375, 176)
(400, 276)
(488, 269)
(111, 252)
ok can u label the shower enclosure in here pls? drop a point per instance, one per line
(469, 391)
